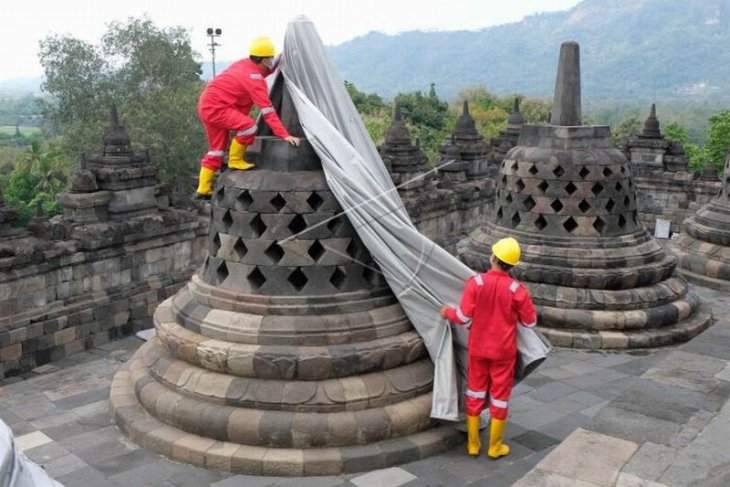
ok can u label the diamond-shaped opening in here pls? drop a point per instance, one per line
(220, 194)
(635, 217)
(622, 221)
(338, 278)
(258, 225)
(274, 252)
(584, 206)
(607, 172)
(315, 201)
(227, 219)
(597, 188)
(599, 225)
(221, 273)
(352, 248)
(533, 169)
(540, 222)
(570, 225)
(244, 199)
(543, 186)
(500, 213)
(627, 201)
(516, 220)
(215, 244)
(298, 279)
(370, 275)
(509, 198)
(610, 205)
(504, 180)
(556, 205)
(297, 225)
(278, 202)
(334, 224)
(571, 188)
(623, 170)
(584, 172)
(558, 171)
(619, 187)
(240, 248)
(515, 166)
(316, 250)
(529, 203)
(519, 185)
(255, 278)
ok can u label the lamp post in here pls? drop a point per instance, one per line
(213, 33)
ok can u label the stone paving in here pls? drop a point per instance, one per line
(643, 412)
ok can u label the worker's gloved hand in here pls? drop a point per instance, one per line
(443, 310)
(295, 141)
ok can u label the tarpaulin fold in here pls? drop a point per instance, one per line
(422, 275)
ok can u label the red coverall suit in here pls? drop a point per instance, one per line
(492, 305)
(225, 104)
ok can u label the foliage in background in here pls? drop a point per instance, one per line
(35, 177)
(150, 74)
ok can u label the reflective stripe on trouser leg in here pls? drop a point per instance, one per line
(217, 143)
(247, 135)
(477, 385)
(501, 375)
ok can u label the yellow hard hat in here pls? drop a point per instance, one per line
(507, 250)
(262, 47)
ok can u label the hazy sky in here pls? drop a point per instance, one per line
(23, 23)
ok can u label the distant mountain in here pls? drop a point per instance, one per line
(14, 87)
(629, 48)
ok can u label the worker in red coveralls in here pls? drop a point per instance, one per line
(492, 306)
(224, 107)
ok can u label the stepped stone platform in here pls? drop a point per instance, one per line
(287, 354)
(703, 247)
(598, 278)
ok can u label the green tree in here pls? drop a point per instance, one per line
(718, 139)
(625, 129)
(150, 73)
(366, 103)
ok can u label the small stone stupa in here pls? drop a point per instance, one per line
(598, 278)
(405, 161)
(703, 247)
(287, 354)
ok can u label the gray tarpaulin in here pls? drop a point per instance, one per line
(16, 470)
(421, 274)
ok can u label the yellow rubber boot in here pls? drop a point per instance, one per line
(205, 182)
(473, 445)
(496, 432)
(235, 156)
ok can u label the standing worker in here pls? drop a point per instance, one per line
(224, 107)
(491, 307)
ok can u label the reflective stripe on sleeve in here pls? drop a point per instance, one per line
(267, 110)
(248, 131)
(514, 286)
(497, 403)
(216, 153)
(476, 394)
(460, 314)
(257, 76)
(478, 279)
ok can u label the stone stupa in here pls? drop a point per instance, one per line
(598, 278)
(703, 247)
(287, 354)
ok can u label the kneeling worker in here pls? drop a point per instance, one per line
(224, 106)
(492, 306)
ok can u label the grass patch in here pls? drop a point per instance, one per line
(25, 131)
